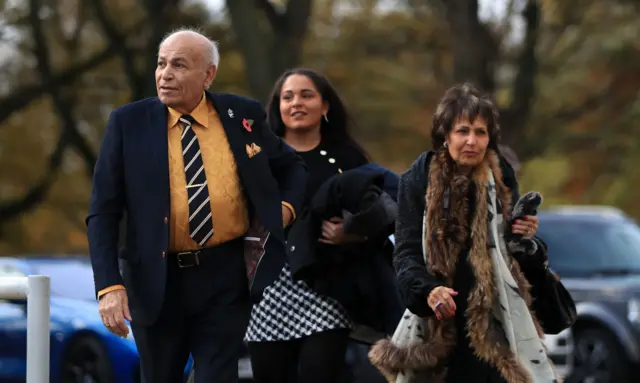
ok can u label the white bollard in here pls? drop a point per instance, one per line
(38, 328)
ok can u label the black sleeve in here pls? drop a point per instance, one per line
(107, 207)
(414, 280)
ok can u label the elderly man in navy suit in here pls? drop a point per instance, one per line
(191, 169)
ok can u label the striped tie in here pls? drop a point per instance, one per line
(200, 222)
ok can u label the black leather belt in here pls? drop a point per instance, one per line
(188, 258)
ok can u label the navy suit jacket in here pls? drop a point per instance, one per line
(132, 175)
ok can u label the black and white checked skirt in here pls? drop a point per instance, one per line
(291, 309)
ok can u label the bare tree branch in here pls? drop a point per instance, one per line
(70, 43)
(24, 95)
(115, 37)
(63, 105)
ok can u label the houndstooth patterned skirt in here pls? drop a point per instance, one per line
(291, 309)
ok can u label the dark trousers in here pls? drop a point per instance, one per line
(317, 358)
(205, 313)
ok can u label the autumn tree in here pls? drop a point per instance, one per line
(565, 81)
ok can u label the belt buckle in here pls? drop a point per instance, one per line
(183, 264)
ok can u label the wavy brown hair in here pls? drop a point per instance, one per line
(464, 101)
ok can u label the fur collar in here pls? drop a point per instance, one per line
(448, 230)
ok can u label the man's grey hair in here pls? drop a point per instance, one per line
(212, 55)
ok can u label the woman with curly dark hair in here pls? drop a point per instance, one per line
(469, 265)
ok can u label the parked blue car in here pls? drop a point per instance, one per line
(82, 350)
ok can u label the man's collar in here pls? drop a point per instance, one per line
(200, 113)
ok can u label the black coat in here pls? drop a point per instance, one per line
(359, 276)
(416, 282)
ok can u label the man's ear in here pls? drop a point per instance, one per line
(211, 75)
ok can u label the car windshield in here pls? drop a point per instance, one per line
(69, 278)
(592, 248)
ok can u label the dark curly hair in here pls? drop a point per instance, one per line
(336, 129)
(466, 101)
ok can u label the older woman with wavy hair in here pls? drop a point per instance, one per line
(469, 265)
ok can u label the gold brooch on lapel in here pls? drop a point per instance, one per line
(247, 124)
(253, 149)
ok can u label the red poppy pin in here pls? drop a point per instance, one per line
(247, 124)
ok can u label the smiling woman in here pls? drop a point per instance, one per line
(295, 326)
(301, 106)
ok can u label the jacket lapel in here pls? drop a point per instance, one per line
(231, 120)
(157, 136)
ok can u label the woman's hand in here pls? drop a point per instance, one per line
(528, 226)
(333, 233)
(441, 302)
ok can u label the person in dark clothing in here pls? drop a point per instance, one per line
(297, 334)
(461, 271)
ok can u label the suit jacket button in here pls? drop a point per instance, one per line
(166, 219)
(164, 254)
(292, 248)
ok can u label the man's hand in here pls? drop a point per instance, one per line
(287, 216)
(333, 233)
(114, 309)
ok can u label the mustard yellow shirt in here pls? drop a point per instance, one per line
(228, 205)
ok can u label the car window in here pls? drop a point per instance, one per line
(582, 248)
(71, 279)
(7, 270)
